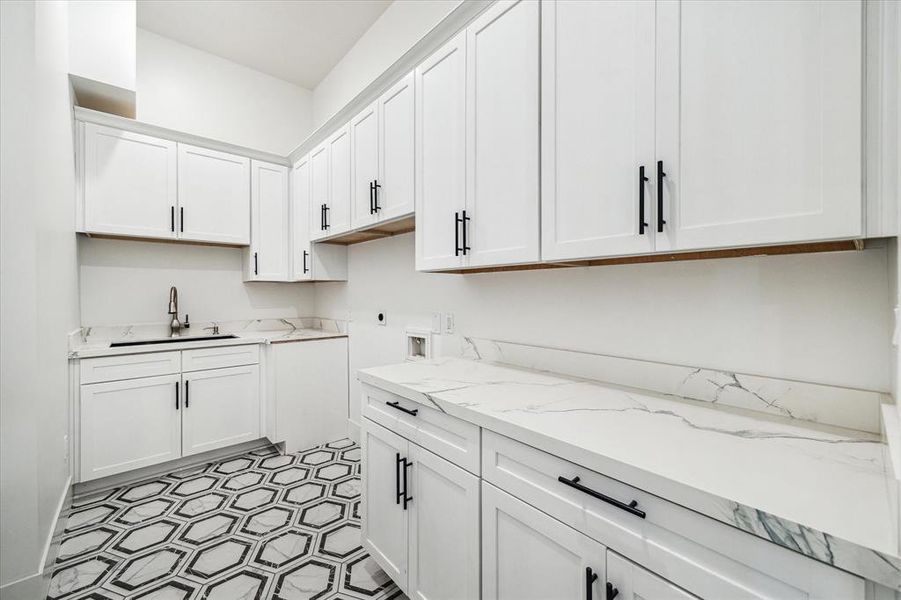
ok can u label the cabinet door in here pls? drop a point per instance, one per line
(502, 134)
(394, 196)
(759, 121)
(635, 583)
(440, 166)
(213, 196)
(527, 554)
(337, 218)
(129, 424)
(129, 183)
(319, 190)
(384, 519)
(364, 136)
(221, 408)
(301, 262)
(597, 128)
(444, 529)
(268, 254)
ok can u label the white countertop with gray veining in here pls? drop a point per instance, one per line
(826, 492)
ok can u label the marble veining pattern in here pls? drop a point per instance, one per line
(252, 527)
(825, 492)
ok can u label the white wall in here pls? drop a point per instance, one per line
(189, 90)
(102, 41)
(128, 282)
(396, 31)
(820, 317)
(38, 285)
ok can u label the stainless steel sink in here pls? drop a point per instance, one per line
(174, 340)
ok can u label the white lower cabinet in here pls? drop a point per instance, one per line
(129, 424)
(527, 554)
(629, 581)
(221, 408)
(420, 517)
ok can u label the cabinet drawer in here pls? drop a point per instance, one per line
(446, 436)
(219, 357)
(701, 555)
(131, 366)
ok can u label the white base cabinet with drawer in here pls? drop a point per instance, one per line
(144, 409)
(420, 517)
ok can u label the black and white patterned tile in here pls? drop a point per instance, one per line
(258, 526)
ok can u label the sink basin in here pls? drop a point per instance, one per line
(173, 340)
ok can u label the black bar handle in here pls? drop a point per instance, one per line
(322, 217)
(590, 578)
(375, 188)
(630, 507)
(660, 175)
(176, 395)
(641, 181)
(465, 219)
(187, 398)
(325, 215)
(397, 492)
(407, 497)
(397, 405)
(256, 264)
(181, 219)
(612, 592)
(457, 222)
(172, 218)
(371, 200)
(306, 269)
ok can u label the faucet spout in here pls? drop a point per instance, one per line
(174, 324)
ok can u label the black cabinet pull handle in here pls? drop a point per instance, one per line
(256, 264)
(305, 268)
(660, 175)
(172, 218)
(375, 195)
(325, 215)
(407, 497)
(463, 226)
(590, 578)
(322, 217)
(176, 395)
(397, 405)
(187, 398)
(641, 181)
(457, 222)
(612, 592)
(371, 200)
(397, 492)
(181, 219)
(630, 507)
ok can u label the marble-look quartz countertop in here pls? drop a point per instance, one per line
(91, 342)
(825, 492)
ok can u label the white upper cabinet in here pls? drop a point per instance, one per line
(364, 132)
(758, 122)
(300, 221)
(502, 135)
(394, 186)
(319, 190)
(267, 258)
(213, 196)
(597, 87)
(129, 183)
(337, 214)
(440, 166)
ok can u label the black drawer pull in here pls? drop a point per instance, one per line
(305, 268)
(407, 498)
(630, 507)
(641, 180)
(457, 221)
(463, 226)
(375, 193)
(612, 592)
(590, 578)
(371, 194)
(397, 493)
(181, 219)
(256, 264)
(397, 405)
(176, 395)
(187, 397)
(660, 175)
(172, 218)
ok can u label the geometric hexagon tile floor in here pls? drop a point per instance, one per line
(262, 525)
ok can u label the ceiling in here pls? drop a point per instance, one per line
(295, 40)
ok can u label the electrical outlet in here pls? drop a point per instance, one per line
(448, 322)
(436, 322)
(382, 317)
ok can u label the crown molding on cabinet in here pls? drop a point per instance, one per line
(87, 115)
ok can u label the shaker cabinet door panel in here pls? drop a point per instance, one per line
(597, 124)
(319, 190)
(394, 196)
(129, 183)
(632, 582)
(364, 135)
(502, 56)
(129, 424)
(759, 121)
(213, 196)
(301, 261)
(441, 170)
(338, 214)
(269, 218)
(221, 408)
